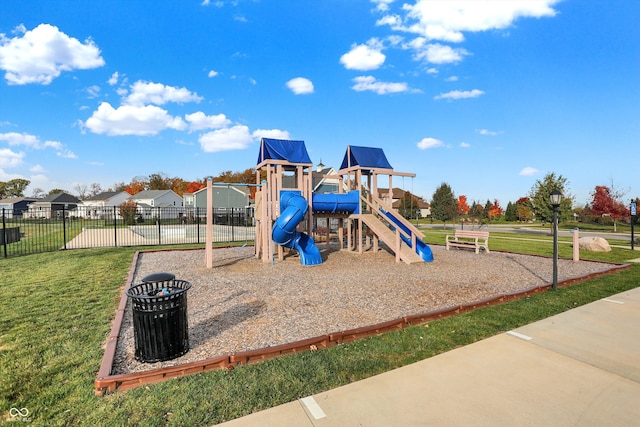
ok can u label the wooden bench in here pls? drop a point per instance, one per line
(469, 239)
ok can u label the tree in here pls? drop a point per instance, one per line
(37, 193)
(510, 213)
(495, 211)
(13, 188)
(476, 210)
(248, 176)
(194, 186)
(463, 207)
(443, 204)
(540, 202)
(95, 189)
(409, 206)
(136, 185)
(524, 212)
(81, 189)
(159, 181)
(605, 203)
(128, 210)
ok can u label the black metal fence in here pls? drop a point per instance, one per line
(27, 231)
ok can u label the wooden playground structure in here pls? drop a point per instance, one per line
(365, 219)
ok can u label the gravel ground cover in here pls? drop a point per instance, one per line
(244, 304)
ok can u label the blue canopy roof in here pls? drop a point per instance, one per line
(283, 149)
(365, 157)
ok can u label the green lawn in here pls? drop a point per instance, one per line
(57, 310)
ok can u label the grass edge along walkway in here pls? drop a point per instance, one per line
(58, 309)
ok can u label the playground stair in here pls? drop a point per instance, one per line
(388, 236)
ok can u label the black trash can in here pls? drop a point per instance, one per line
(160, 325)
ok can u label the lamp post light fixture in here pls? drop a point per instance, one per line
(555, 198)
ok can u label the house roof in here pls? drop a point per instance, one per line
(14, 200)
(105, 195)
(59, 198)
(151, 194)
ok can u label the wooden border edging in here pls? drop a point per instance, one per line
(105, 382)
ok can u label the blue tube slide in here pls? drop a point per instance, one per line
(336, 202)
(422, 248)
(293, 208)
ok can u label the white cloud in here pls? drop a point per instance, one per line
(31, 141)
(36, 169)
(93, 91)
(458, 94)
(66, 154)
(213, 73)
(529, 171)
(451, 79)
(369, 83)
(113, 80)
(364, 57)
(200, 121)
(428, 143)
(271, 133)
(435, 53)
(300, 86)
(489, 132)
(9, 158)
(233, 138)
(40, 55)
(132, 120)
(465, 145)
(143, 93)
(382, 5)
(448, 20)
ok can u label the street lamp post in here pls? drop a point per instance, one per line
(555, 198)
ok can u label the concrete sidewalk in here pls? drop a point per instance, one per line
(578, 368)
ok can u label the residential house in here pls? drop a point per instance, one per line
(395, 197)
(52, 206)
(162, 204)
(15, 207)
(103, 205)
(231, 203)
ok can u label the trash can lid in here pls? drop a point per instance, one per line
(161, 276)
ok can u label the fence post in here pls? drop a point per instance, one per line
(158, 222)
(115, 227)
(4, 233)
(64, 226)
(198, 223)
(233, 239)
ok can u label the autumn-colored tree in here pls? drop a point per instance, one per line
(159, 181)
(179, 185)
(605, 203)
(495, 211)
(194, 186)
(463, 206)
(524, 212)
(128, 210)
(136, 185)
(248, 176)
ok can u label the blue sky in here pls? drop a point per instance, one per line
(487, 96)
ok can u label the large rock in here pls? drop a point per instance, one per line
(595, 244)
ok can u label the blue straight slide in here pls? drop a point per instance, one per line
(294, 207)
(422, 248)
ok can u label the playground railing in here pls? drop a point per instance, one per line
(377, 208)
